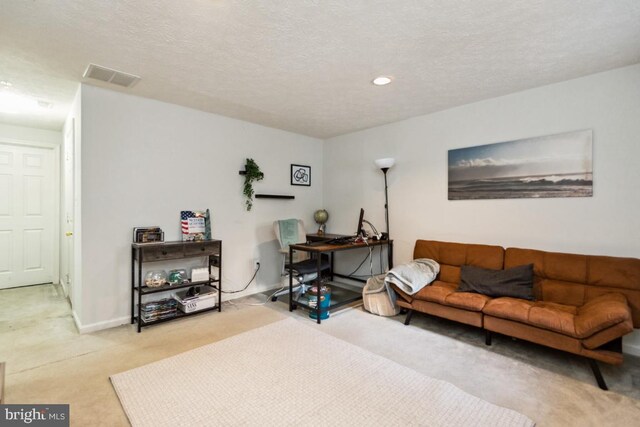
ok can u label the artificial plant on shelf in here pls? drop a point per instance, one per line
(251, 173)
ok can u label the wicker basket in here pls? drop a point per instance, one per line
(379, 301)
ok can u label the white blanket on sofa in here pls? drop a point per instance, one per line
(414, 275)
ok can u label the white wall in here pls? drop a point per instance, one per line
(10, 133)
(607, 223)
(70, 207)
(144, 161)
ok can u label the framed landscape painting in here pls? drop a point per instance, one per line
(547, 166)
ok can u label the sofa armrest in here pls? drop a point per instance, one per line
(600, 313)
(401, 294)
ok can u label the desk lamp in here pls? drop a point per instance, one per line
(384, 165)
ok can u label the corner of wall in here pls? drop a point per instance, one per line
(98, 326)
(75, 119)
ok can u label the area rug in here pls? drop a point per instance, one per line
(287, 373)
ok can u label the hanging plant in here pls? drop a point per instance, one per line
(251, 173)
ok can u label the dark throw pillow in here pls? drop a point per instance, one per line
(516, 282)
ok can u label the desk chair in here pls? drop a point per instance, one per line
(304, 268)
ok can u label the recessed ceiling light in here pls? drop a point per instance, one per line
(5, 83)
(45, 104)
(14, 103)
(381, 81)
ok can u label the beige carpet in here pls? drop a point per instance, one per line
(287, 373)
(48, 362)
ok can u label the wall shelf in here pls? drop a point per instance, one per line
(274, 196)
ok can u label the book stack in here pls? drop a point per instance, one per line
(157, 310)
(152, 234)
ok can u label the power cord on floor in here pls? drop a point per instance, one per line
(255, 273)
(257, 303)
(245, 288)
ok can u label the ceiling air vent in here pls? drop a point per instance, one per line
(108, 75)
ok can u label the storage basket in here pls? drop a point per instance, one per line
(376, 298)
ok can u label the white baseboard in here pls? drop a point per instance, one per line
(631, 349)
(98, 326)
(75, 319)
(631, 343)
(65, 288)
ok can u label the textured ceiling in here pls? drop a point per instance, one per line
(306, 66)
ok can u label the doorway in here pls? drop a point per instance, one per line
(28, 212)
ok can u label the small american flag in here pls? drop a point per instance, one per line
(193, 224)
(184, 220)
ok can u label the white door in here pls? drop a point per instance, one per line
(26, 215)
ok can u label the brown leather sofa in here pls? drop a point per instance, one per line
(583, 304)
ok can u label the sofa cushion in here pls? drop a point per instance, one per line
(551, 316)
(577, 322)
(514, 282)
(451, 256)
(445, 293)
(467, 300)
(562, 292)
(435, 292)
(509, 308)
(554, 317)
(573, 279)
(449, 273)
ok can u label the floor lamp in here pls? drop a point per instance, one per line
(384, 165)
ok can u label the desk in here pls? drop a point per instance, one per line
(317, 248)
(315, 237)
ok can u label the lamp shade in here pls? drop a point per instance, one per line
(385, 163)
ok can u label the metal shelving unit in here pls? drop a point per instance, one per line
(142, 253)
(317, 247)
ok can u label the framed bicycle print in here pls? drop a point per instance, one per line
(301, 175)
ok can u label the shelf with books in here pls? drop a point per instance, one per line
(142, 253)
(164, 288)
(179, 315)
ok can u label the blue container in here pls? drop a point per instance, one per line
(325, 301)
